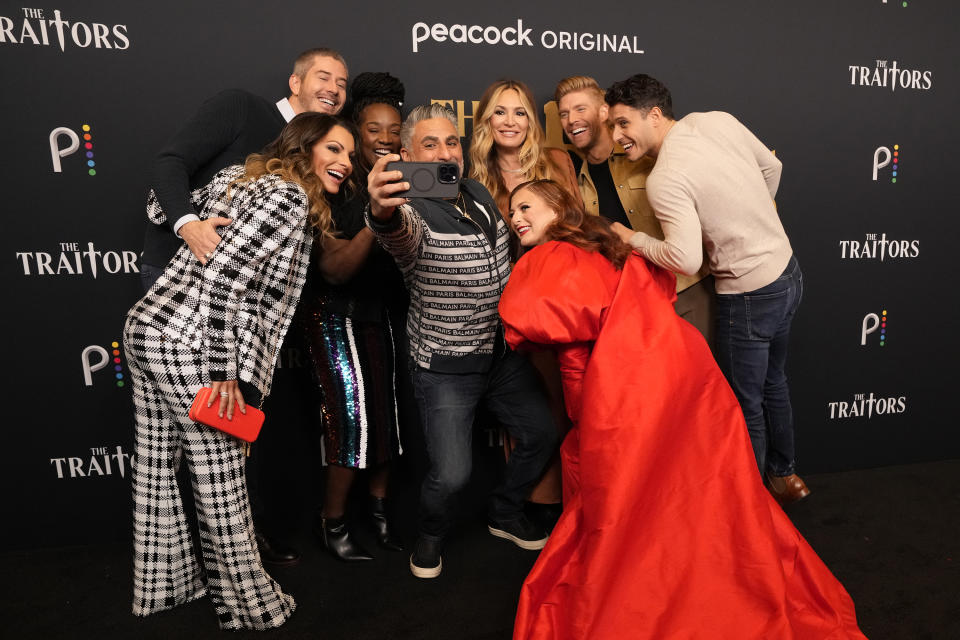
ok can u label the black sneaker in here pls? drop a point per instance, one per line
(520, 531)
(425, 561)
(544, 514)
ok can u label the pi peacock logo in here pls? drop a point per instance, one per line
(886, 157)
(95, 358)
(871, 323)
(64, 142)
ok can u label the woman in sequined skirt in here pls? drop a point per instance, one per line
(357, 295)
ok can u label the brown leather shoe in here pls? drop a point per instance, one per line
(787, 489)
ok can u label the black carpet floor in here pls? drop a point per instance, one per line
(891, 535)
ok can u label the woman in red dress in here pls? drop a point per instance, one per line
(667, 531)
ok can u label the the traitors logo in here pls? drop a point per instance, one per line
(876, 246)
(872, 322)
(889, 74)
(74, 261)
(104, 358)
(867, 406)
(37, 28)
(57, 151)
(101, 461)
(883, 157)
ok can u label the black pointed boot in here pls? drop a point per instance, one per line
(378, 516)
(336, 538)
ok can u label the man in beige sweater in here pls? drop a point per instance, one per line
(713, 186)
(614, 186)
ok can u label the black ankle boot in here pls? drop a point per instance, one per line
(276, 553)
(337, 540)
(378, 516)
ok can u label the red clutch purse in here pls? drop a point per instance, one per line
(245, 426)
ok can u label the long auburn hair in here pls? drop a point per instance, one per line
(290, 156)
(574, 225)
(483, 151)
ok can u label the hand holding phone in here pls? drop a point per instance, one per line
(383, 186)
(428, 179)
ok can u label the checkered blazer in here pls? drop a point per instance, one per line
(235, 309)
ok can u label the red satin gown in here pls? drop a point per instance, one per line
(667, 531)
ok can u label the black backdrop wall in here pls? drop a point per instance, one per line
(857, 98)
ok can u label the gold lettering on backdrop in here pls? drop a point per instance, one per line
(459, 108)
(553, 130)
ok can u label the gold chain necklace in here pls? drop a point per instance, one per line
(460, 205)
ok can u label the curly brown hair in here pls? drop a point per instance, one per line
(290, 156)
(574, 225)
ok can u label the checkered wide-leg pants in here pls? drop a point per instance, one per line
(166, 377)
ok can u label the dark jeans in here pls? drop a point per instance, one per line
(448, 402)
(148, 275)
(752, 332)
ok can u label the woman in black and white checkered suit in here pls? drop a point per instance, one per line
(220, 323)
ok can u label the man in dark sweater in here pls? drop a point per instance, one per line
(227, 128)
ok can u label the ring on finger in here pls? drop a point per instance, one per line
(224, 394)
(208, 255)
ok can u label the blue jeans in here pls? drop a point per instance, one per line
(752, 332)
(448, 402)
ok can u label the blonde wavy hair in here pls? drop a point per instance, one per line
(483, 151)
(290, 157)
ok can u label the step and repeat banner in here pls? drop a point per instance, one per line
(857, 98)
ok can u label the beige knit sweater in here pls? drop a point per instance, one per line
(713, 186)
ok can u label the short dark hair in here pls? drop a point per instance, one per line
(641, 92)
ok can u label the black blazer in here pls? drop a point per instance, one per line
(227, 128)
